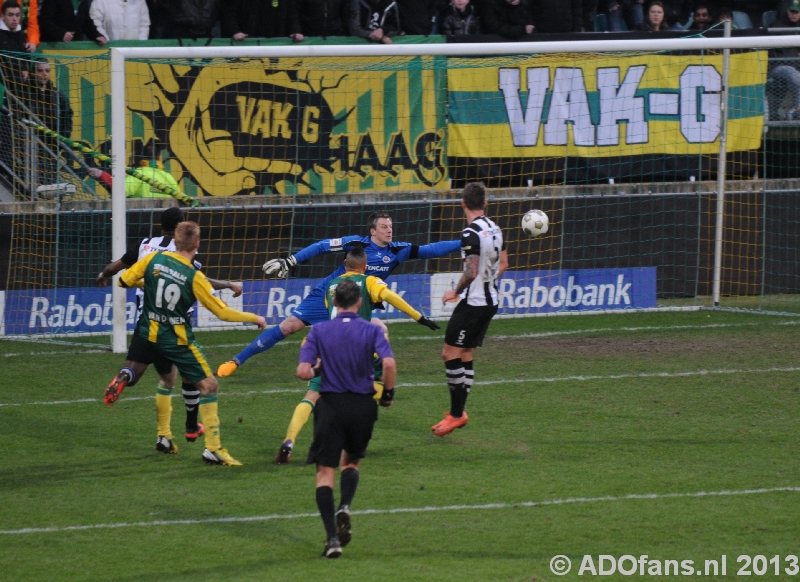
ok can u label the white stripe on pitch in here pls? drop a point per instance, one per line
(438, 337)
(396, 510)
(548, 380)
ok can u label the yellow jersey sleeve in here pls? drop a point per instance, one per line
(383, 293)
(134, 275)
(375, 287)
(202, 290)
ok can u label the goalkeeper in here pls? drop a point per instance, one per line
(373, 291)
(383, 256)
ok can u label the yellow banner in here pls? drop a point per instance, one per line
(259, 126)
(604, 106)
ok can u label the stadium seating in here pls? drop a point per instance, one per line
(742, 20)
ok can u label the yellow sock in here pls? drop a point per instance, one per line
(210, 418)
(300, 417)
(164, 410)
(378, 385)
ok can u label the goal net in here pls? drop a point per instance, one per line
(620, 144)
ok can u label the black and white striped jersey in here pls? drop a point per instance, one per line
(485, 239)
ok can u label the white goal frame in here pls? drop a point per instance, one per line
(120, 55)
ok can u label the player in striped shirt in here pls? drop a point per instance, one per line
(485, 260)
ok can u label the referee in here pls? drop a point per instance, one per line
(346, 411)
(485, 259)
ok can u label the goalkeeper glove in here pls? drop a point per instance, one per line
(387, 398)
(428, 323)
(279, 266)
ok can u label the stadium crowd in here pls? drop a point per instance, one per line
(373, 20)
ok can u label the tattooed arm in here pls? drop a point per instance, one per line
(471, 263)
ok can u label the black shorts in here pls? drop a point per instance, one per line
(342, 422)
(143, 351)
(468, 324)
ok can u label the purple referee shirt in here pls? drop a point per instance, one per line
(345, 345)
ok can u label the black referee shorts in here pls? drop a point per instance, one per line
(143, 351)
(468, 324)
(342, 422)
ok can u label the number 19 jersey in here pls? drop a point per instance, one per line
(170, 284)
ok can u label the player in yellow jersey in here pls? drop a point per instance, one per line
(171, 285)
(373, 291)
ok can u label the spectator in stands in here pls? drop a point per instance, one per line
(58, 22)
(12, 37)
(86, 23)
(416, 16)
(654, 18)
(256, 18)
(701, 17)
(616, 12)
(30, 23)
(676, 13)
(459, 18)
(48, 103)
(322, 18)
(191, 18)
(51, 107)
(726, 13)
(120, 19)
(783, 77)
(557, 15)
(375, 20)
(511, 19)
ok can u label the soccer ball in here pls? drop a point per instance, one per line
(535, 223)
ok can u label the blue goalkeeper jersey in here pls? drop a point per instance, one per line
(381, 261)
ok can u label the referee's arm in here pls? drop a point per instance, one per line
(389, 373)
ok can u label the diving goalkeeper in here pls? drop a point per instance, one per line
(383, 257)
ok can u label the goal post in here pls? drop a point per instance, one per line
(618, 141)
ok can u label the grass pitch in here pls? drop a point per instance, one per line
(666, 434)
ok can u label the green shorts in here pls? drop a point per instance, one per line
(190, 360)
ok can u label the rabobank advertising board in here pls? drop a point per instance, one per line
(87, 310)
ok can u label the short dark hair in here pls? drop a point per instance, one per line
(186, 236)
(10, 4)
(372, 221)
(474, 195)
(347, 294)
(355, 258)
(170, 219)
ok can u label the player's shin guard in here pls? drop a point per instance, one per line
(164, 410)
(191, 400)
(455, 382)
(302, 412)
(262, 343)
(210, 418)
(348, 483)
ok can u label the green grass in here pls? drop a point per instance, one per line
(603, 407)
